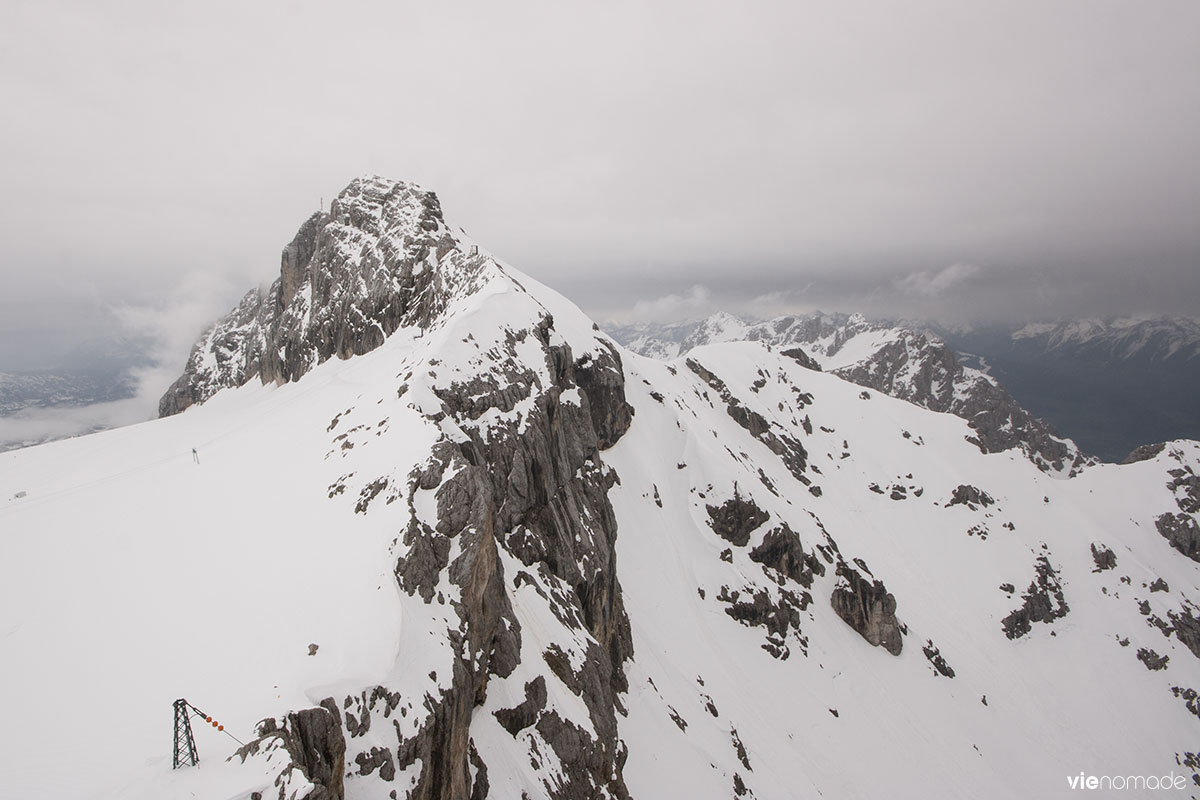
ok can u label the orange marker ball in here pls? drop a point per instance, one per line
(220, 727)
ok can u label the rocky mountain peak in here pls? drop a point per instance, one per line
(380, 259)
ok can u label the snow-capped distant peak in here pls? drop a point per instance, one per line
(906, 362)
(1152, 338)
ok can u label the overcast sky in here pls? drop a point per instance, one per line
(960, 160)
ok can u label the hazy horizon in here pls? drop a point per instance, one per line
(962, 163)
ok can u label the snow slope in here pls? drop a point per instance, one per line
(901, 360)
(1054, 697)
(519, 588)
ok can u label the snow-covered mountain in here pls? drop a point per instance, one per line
(422, 530)
(1113, 384)
(902, 361)
(1120, 338)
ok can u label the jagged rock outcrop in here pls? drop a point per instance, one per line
(315, 748)
(1043, 602)
(1104, 558)
(867, 607)
(1182, 532)
(536, 488)
(736, 518)
(1144, 452)
(802, 358)
(1185, 485)
(970, 496)
(381, 258)
(782, 550)
(1152, 660)
(520, 717)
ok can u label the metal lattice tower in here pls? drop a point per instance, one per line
(184, 754)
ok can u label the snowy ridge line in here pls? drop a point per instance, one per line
(910, 364)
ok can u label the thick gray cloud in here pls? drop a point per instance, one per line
(945, 158)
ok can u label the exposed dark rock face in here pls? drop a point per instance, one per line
(1190, 697)
(802, 358)
(740, 749)
(1192, 762)
(782, 551)
(379, 758)
(736, 518)
(970, 496)
(867, 607)
(935, 658)
(381, 258)
(316, 748)
(603, 382)
(921, 369)
(1104, 558)
(1144, 452)
(540, 492)
(1186, 627)
(1000, 424)
(1152, 660)
(1186, 487)
(777, 612)
(520, 717)
(1044, 602)
(1182, 532)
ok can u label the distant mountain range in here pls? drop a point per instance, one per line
(39, 405)
(45, 388)
(1111, 385)
(1108, 385)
